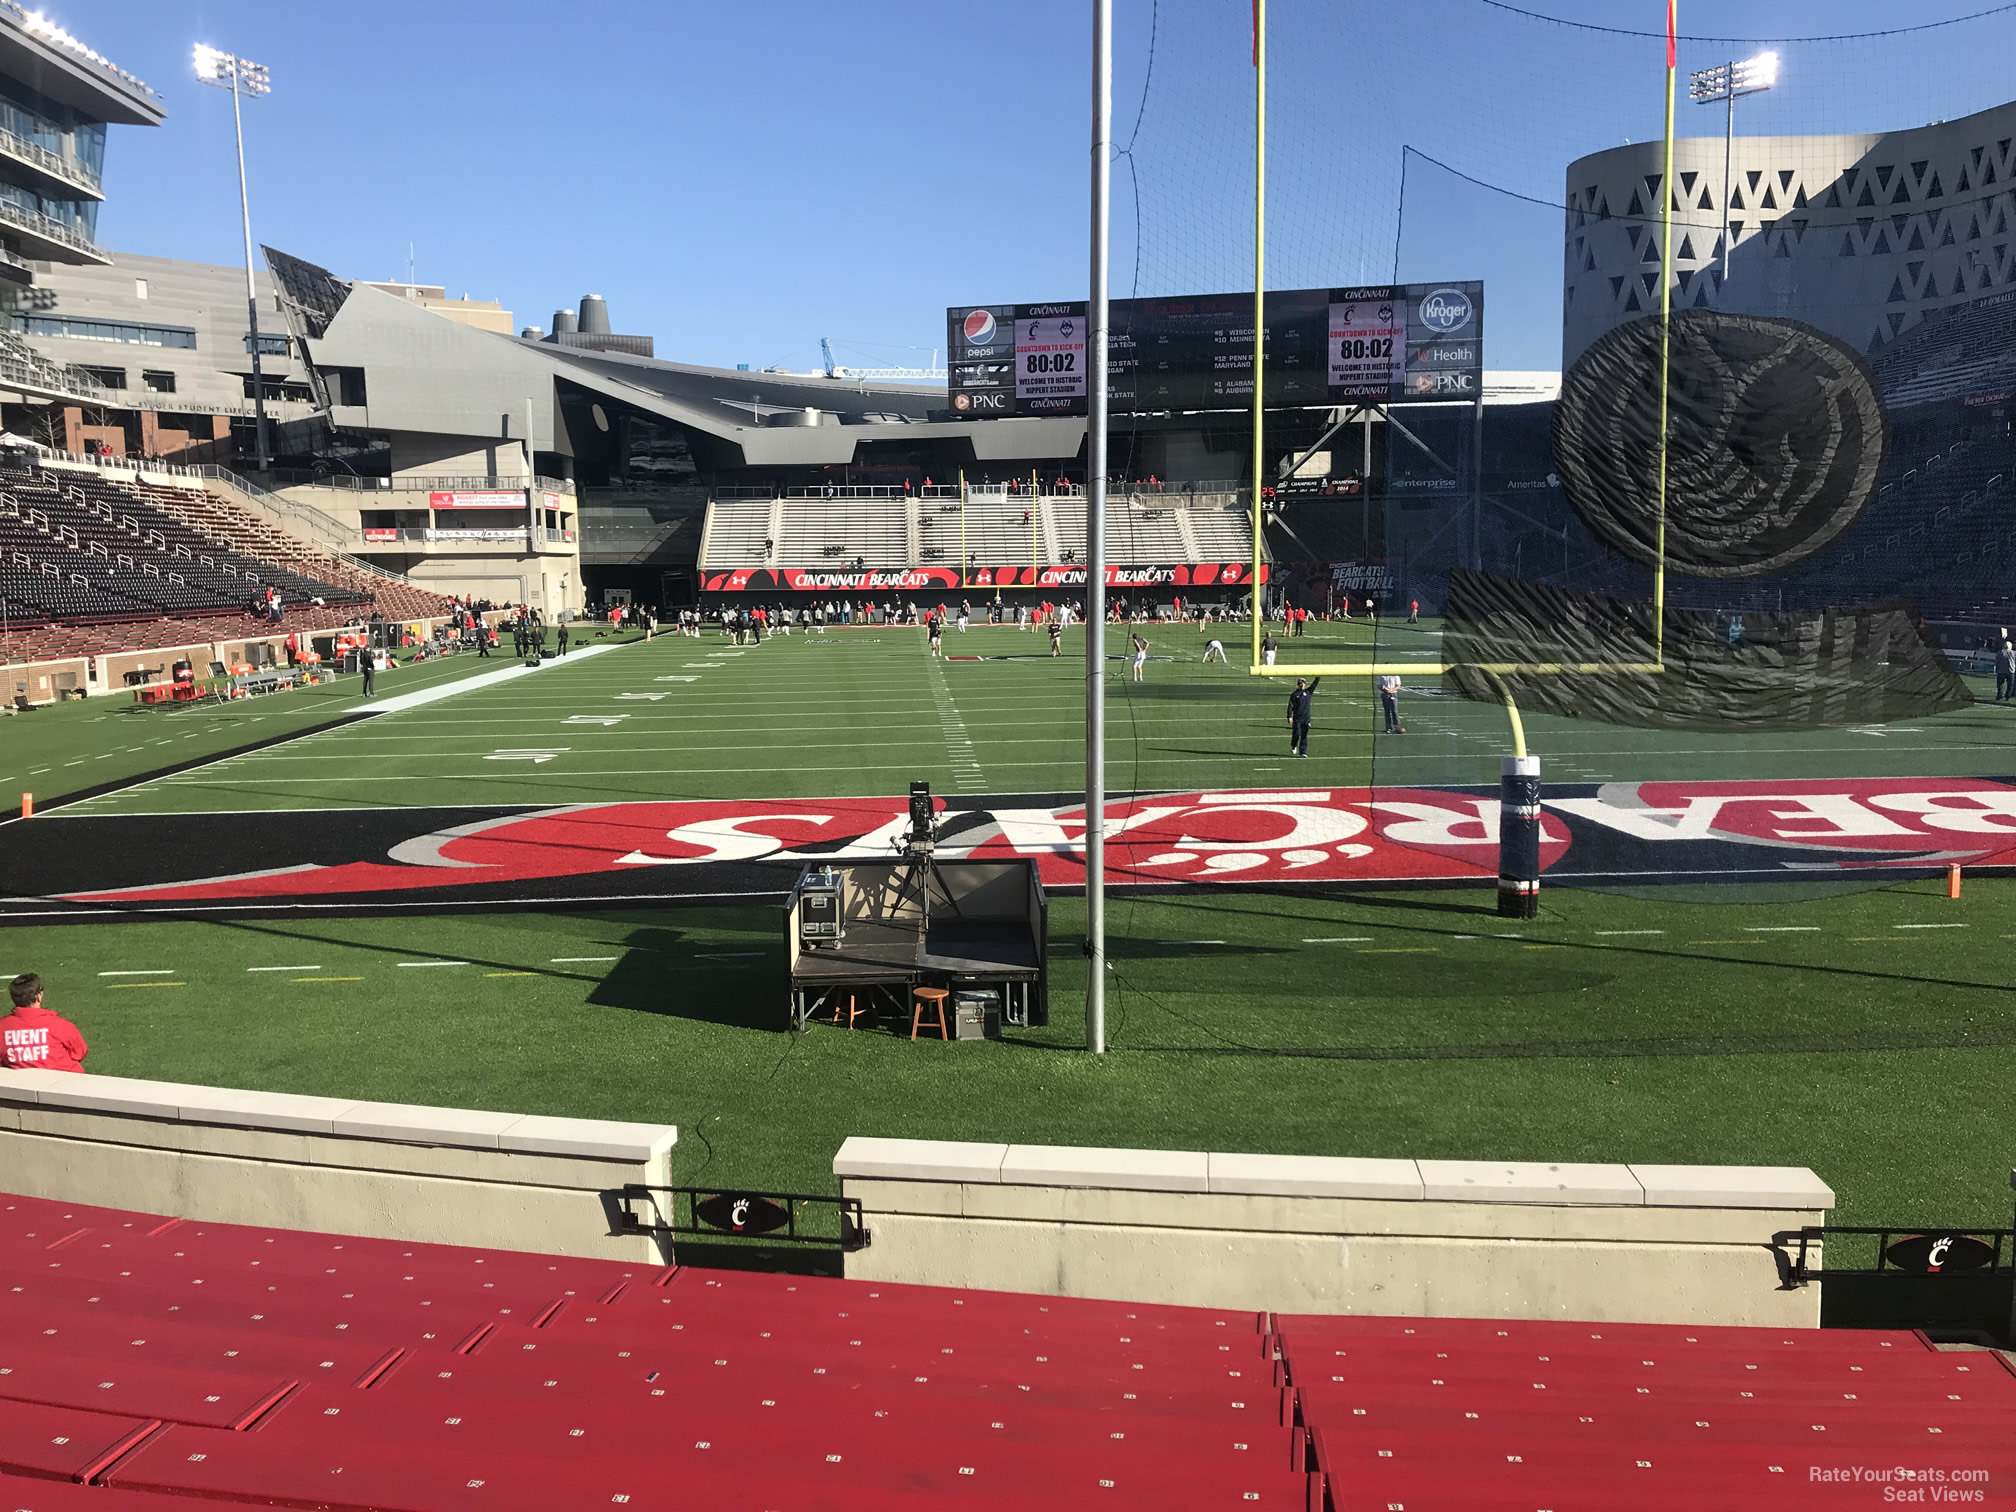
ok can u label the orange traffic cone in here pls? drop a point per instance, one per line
(27, 805)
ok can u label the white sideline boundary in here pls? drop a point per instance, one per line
(419, 698)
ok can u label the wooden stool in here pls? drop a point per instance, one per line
(853, 1010)
(928, 1000)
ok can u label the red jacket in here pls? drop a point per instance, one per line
(34, 1039)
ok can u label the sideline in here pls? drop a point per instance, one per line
(400, 702)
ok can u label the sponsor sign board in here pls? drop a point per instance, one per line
(1389, 343)
(946, 579)
(1016, 360)
(490, 498)
(380, 533)
(1639, 833)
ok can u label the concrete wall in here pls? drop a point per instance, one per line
(1430, 1238)
(42, 682)
(430, 1175)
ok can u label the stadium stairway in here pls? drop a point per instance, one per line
(145, 1358)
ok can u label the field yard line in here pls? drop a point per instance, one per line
(400, 702)
(167, 971)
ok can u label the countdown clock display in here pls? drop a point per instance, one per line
(1383, 343)
(1050, 355)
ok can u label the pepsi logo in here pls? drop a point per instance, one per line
(1445, 310)
(979, 327)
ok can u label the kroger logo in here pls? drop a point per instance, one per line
(1446, 310)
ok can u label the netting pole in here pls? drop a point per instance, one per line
(1259, 290)
(1095, 537)
(1665, 331)
(962, 530)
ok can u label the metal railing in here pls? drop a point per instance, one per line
(53, 230)
(52, 163)
(416, 483)
(316, 523)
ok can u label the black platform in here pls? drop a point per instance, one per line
(884, 955)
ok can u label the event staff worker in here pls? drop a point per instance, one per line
(367, 662)
(34, 1039)
(1299, 713)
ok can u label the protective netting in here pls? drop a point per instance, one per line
(1775, 441)
(1833, 546)
(1589, 656)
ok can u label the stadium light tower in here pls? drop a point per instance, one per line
(1725, 83)
(242, 77)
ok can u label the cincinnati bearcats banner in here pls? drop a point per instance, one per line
(946, 579)
(1637, 832)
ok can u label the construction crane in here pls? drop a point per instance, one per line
(931, 374)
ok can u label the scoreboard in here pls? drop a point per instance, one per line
(1387, 343)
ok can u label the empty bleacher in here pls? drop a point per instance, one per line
(90, 564)
(1430, 1413)
(994, 527)
(166, 1359)
(737, 533)
(148, 1363)
(823, 530)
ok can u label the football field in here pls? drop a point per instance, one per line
(1866, 1028)
(863, 710)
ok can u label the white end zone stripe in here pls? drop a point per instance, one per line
(423, 696)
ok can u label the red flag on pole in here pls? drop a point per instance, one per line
(1672, 32)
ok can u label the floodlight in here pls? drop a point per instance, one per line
(242, 77)
(1724, 84)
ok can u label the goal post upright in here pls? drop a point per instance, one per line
(1259, 299)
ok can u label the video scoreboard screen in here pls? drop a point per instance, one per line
(1388, 343)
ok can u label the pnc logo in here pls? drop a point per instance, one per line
(979, 328)
(1444, 310)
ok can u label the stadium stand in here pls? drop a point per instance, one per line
(995, 526)
(1485, 1415)
(155, 1357)
(149, 1355)
(89, 564)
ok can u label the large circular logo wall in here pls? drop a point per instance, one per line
(1776, 433)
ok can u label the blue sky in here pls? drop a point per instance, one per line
(739, 180)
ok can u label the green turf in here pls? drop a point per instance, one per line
(862, 711)
(1828, 1033)
(70, 748)
(1818, 1027)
